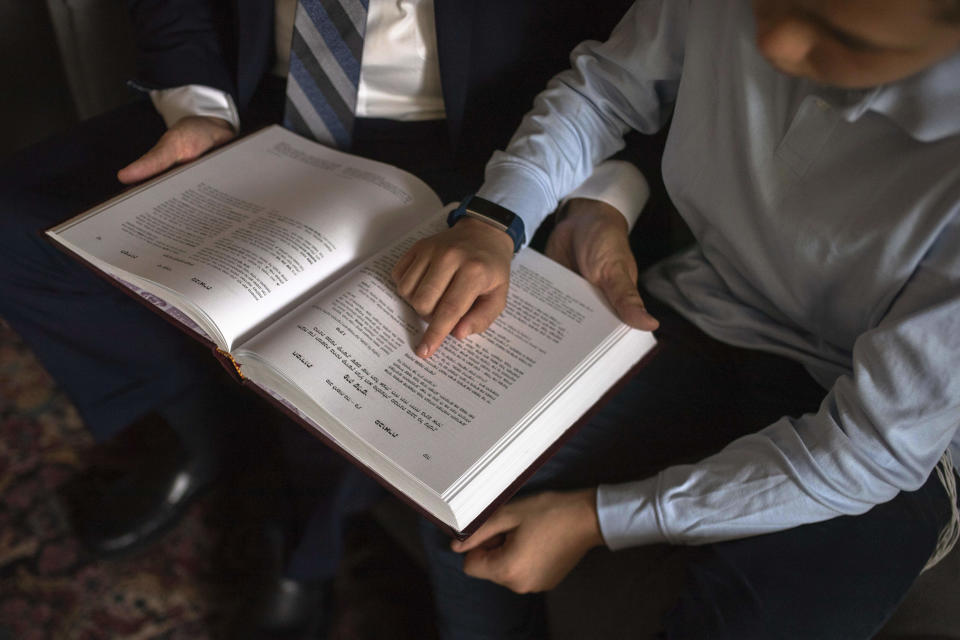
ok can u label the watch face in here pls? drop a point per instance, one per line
(490, 210)
(492, 214)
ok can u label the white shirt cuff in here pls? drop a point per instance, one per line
(516, 187)
(194, 100)
(617, 183)
(628, 514)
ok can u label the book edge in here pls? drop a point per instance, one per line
(522, 478)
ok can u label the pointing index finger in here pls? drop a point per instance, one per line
(453, 305)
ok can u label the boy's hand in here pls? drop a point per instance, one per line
(457, 278)
(592, 239)
(531, 544)
(186, 140)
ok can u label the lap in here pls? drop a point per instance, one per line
(80, 164)
(839, 578)
(90, 336)
(693, 398)
(60, 177)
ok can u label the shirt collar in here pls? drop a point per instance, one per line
(926, 105)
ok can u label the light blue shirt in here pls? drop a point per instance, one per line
(828, 229)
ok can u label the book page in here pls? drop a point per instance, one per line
(249, 230)
(351, 349)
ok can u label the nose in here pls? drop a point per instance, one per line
(785, 41)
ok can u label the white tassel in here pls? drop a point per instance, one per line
(950, 533)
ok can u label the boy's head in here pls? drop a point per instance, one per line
(856, 43)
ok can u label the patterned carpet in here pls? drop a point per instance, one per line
(184, 586)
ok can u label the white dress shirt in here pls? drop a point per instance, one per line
(399, 80)
(400, 74)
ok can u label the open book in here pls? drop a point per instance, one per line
(277, 251)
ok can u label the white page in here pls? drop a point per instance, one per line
(351, 349)
(250, 229)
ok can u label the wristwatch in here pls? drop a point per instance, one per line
(493, 214)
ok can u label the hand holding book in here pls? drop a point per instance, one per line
(591, 238)
(532, 543)
(187, 140)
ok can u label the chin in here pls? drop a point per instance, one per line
(826, 77)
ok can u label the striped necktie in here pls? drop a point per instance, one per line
(325, 69)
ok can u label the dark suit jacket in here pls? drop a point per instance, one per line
(495, 55)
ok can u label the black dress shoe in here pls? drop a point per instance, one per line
(288, 608)
(137, 487)
(276, 606)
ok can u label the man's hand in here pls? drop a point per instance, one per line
(457, 278)
(592, 239)
(531, 544)
(186, 140)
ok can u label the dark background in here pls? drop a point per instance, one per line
(61, 61)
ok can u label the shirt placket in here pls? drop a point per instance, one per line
(811, 128)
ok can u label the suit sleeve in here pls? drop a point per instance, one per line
(181, 42)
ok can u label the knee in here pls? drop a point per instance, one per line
(436, 546)
(21, 223)
(716, 603)
(30, 262)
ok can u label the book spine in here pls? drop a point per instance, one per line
(236, 365)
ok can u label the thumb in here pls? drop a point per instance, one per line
(161, 157)
(620, 289)
(560, 248)
(499, 523)
(486, 563)
(188, 139)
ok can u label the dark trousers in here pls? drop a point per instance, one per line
(836, 579)
(114, 358)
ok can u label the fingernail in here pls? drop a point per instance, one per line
(423, 350)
